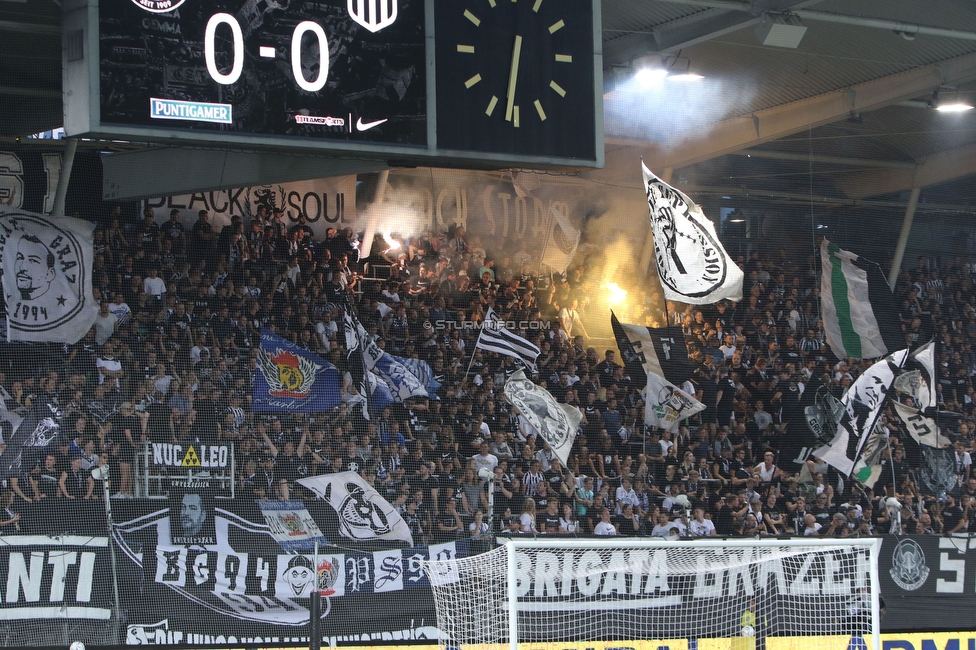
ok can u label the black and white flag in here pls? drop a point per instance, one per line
(495, 338)
(863, 403)
(918, 381)
(46, 264)
(666, 405)
(923, 430)
(561, 242)
(691, 262)
(556, 423)
(37, 432)
(363, 513)
(355, 363)
(658, 350)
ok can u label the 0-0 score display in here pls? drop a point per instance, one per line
(306, 70)
(237, 56)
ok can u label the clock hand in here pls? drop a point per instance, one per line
(513, 77)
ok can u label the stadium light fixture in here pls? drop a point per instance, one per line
(680, 70)
(953, 105)
(649, 69)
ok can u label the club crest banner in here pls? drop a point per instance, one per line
(363, 513)
(556, 423)
(289, 378)
(691, 262)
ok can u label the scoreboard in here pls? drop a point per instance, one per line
(488, 82)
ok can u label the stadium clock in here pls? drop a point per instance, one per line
(517, 76)
(482, 83)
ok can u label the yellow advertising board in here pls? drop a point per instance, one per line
(908, 641)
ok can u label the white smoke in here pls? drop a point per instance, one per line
(663, 110)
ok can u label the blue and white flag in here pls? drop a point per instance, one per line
(289, 378)
(401, 381)
(424, 373)
(379, 393)
(46, 265)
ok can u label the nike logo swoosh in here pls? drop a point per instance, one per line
(366, 126)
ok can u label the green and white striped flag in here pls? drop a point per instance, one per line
(851, 325)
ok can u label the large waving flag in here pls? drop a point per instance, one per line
(38, 430)
(397, 377)
(561, 242)
(422, 370)
(555, 422)
(659, 350)
(363, 513)
(289, 378)
(863, 403)
(666, 405)
(919, 379)
(355, 363)
(47, 286)
(691, 262)
(858, 308)
(495, 338)
(922, 429)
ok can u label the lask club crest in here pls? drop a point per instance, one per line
(374, 15)
(288, 374)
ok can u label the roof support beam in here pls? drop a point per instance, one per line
(829, 160)
(29, 28)
(179, 171)
(716, 19)
(937, 168)
(771, 124)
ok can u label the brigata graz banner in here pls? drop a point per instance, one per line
(215, 572)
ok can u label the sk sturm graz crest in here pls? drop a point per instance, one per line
(158, 6)
(287, 374)
(691, 262)
(374, 15)
(908, 568)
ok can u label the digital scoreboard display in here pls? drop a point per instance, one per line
(493, 82)
(269, 67)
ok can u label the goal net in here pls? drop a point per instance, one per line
(736, 595)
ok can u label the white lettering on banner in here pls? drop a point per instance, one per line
(44, 576)
(11, 180)
(170, 455)
(161, 634)
(589, 574)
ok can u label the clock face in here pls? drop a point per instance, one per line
(516, 76)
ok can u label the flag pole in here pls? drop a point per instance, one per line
(474, 348)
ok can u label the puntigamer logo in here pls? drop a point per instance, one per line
(158, 6)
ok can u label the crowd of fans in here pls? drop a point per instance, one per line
(174, 348)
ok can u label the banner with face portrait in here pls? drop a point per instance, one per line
(46, 264)
(242, 588)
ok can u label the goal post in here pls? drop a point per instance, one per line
(646, 593)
